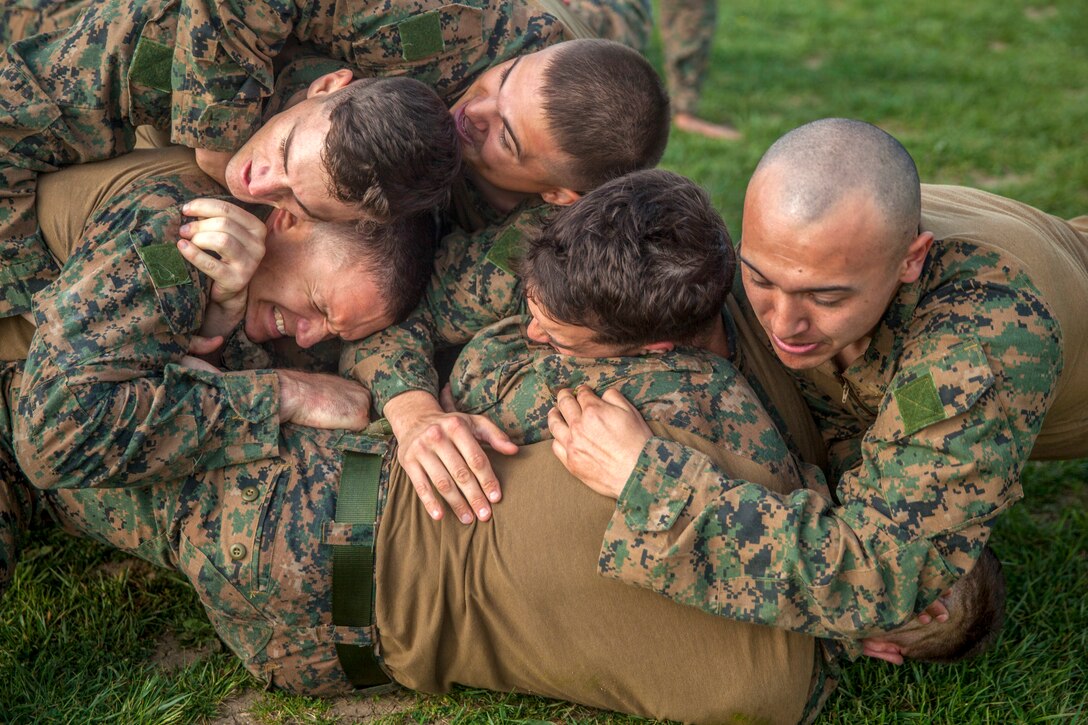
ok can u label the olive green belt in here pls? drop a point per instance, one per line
(353, 566)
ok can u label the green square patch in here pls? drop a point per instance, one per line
(165, 265)
(507, 246)
(919, 404)
(151, 65)
(421, 36)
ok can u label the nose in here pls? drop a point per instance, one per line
(479, 112)
(265, 183)
(788, 317)
(309, 332)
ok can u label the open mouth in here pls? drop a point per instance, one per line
(281, 326)
(460, 120)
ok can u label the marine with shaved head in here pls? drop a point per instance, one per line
(938, 335)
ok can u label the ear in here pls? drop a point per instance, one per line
(330, 82)
(882, 649)
(560, 196)
(656, 348)
(911, 266)
(282, 221)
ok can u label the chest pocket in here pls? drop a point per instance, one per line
(924, 395)
(437, 46)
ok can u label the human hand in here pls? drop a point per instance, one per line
(600, 439)
(441, 452)
(204, 347)
(322, 401)
(226, 243)
(214, 163)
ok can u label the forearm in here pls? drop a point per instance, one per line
(686, 530)
(103, 402)
(395, 361)
(145, 430)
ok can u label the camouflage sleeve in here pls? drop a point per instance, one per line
(222, 69)
(64, 101)
(472, 287)
(104, 402)
(942, 461)
(223, 60)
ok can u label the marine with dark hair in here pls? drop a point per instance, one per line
(510, 148)
(649, 259)
(938, 337)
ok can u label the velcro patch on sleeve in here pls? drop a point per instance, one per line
(506, 247)
(151, 65)
(165, 265)
(421, 36)
(919, 403)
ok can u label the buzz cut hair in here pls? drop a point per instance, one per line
(823, 161)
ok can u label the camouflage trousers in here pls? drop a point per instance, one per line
(254, 542)
(625, 21)
(687, 37)
(14, 494)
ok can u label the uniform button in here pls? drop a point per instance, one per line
(249, 494)
(237, 551)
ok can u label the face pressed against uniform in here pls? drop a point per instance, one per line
(819, 287)
(577, 341)
(505, 140)
(281, 163)
(302, 290)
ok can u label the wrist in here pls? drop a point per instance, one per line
(406, 409)
(288, 394)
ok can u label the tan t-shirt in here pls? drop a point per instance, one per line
(516, 604)
(1055, 254)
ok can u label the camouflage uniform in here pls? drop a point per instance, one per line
(929, 431)
(23, 18)
(687, 39)
(254, 537)
(70, 383)
(204, 70)
(513, 381)
(625, 21)
(474, 286)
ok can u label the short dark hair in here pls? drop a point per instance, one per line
(398, 253)
(607, 109)
(392, 147)
(979, 597)
(643, 258)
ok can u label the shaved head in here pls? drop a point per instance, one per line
(817, 165)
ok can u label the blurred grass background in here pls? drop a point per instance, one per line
(985, 94)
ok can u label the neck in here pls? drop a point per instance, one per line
(715, 340)
(501, 199)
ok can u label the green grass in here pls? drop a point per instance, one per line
(993, 95)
